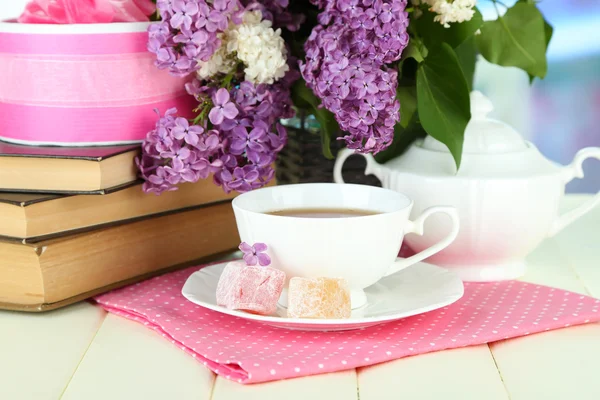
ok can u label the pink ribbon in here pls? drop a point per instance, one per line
(85, 81)
(83, 126)
(86, 11)
(80, 44)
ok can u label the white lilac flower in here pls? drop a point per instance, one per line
(255, 44)
(450, 11)
(221, 62)
(260, 48)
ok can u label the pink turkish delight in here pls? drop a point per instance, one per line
(254, 289)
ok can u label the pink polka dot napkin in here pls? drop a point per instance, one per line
(249, 352)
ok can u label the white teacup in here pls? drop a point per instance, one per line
(360, 249)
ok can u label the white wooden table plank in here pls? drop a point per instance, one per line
(126, 360)
(40, 352)
(129, 361)
(336, 386)
(580, 245)
(465, 374)
(548, 266)
(552, 365)
(559, 364)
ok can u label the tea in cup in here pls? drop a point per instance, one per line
(353, 232)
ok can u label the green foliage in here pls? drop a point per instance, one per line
(467, 57)
(433, 32)
(403, 137)
(414, 50)
(516, 39)
(443, 98)
(305, 98)
(408, 104)
(437, 68)
(548, 31)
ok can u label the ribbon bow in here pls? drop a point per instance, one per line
(86, 11)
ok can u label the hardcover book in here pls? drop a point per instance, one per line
(30, 218)
(58, 272)
(89, 170)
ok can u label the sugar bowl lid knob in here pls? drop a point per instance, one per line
(483, 135)
(481, 106)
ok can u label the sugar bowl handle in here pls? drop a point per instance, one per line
(575, 170)
(373, 168)
(418, 226)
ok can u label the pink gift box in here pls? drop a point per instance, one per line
(82, 84)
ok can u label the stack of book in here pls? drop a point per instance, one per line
(74, 222)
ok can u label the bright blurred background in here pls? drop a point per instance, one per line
(560, 114)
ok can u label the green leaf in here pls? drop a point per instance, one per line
(412, 55)
(548, 31)
(304, 97)
(547, 27)
(403, 137)
(407, 70)
(408, 104)
(516, 39)
(412, 51)
(467, 57)
(443, 101)
(433, 32)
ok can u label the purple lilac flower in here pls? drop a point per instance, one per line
(239, 149)
(255, 254)
(183, 13)
(244, 178)
(254, 137)
(244, 141)
(277, 12)
(223, 108)
(237, 135)
(176, 152)
(346, 58)
(189, 32)
(183, 130)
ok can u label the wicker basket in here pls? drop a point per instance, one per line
(302, 159)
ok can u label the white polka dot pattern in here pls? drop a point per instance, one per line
(249, 352)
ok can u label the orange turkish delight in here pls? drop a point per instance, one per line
(320, 298)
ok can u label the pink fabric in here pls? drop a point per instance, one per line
(249, 352)
(67, 125)
(86, 11)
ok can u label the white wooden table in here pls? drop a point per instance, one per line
(82, 352)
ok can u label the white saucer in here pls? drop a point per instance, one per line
(415, 290)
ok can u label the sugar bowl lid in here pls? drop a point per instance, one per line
(491, 149)
(483, 135)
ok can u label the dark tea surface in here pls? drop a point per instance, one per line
(322, 213)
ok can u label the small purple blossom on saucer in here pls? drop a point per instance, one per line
(255, 254)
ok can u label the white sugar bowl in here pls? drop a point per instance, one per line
(506, 192)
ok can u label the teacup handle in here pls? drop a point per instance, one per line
(575, 170)
(418, 227)
(372, 168)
